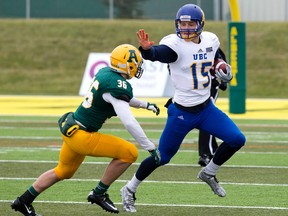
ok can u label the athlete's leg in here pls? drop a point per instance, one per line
(97, 144)
(123, 154)
(207, 146)
(69, 161)
(220, 125)
(176, 128)
(178, 124)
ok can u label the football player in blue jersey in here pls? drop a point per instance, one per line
(190, 54)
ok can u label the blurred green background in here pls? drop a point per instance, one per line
(48, 56)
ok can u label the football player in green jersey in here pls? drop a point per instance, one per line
(109, 95)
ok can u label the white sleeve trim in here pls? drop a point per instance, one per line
(123, 111)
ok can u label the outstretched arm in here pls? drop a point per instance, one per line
(123, 111)
(161, 53)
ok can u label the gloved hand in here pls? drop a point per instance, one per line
(226, 77)
(153, 107)
(156, 155)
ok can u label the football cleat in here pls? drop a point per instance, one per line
(128, 199)
(212, 182)
(24, 208)
(103, 201)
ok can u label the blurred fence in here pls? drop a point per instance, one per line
(103, 9)
(254, 10)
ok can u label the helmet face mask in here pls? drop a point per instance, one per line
(188, 13)
(126, 59)
(140, 70)
(188, 33)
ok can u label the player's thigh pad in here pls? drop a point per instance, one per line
(110, 146)
(69, 162)
(216, 122)
(102, 145)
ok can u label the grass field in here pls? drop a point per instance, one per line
(255, 179)
(48, 57)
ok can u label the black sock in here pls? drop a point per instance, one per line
(224, 153)
(146, 168)
(29, 195)
(101, 188)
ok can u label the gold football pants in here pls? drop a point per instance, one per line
(82, 143)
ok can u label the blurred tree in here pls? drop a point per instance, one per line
(126, 8)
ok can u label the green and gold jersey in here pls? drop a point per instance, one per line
(94, 110)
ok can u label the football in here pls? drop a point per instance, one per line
(218, 64)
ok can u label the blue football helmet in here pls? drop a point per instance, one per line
(190, 12)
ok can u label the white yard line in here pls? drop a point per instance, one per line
(57, 148)
(165, 205)
(123, 129)
(251, 138)
(137, 164)
(142, 123)
(154, 182)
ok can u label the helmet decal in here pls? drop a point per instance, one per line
(185, 18)
(132, 56)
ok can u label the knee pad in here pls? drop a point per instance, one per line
(238, 141)
(164, 159)
(64, 172)
(130, 155)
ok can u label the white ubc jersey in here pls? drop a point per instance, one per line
(190, 72)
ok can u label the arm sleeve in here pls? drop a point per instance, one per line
(220, 54)
(160, 53)
(136, 103)
(123, 111)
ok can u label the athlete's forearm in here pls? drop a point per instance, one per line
(123, 111)
(136, 103)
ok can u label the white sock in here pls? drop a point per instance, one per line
(211, 168)
(133, 184)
